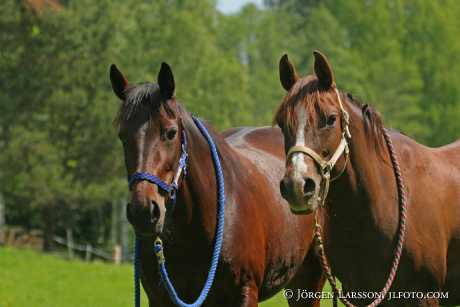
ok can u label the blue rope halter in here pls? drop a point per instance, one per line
(168, 188)
(158, 245)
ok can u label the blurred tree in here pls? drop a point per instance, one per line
(208, 80)
(61, 165)
(60, 127)
(431, 44)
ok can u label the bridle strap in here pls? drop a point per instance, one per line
(343, 148)
(345, 116)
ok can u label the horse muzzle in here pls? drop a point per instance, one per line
(146, 217)
(301, 194)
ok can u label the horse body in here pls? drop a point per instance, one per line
(361, 214)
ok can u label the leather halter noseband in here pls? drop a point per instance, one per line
(326, 166)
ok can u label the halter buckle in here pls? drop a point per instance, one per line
(158, 249)
(326, 169)
(173, 192)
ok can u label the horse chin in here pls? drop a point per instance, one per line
(305, 207)
(147, 234)
(302, 210)
(159, 229)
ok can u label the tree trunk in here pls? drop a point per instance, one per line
(49, 228)
(114, 227)
(2, 220)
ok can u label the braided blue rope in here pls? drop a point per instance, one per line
(140, 176)
(158, 246)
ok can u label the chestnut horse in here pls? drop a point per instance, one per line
(265, 246)
(327, 132)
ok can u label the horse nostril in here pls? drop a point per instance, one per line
(309, 187)
(154, 211)
(283, 189)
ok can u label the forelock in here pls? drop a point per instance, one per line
(144, 97)
(305, 93)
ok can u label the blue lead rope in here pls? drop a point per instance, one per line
(137, 286)
(158, 246)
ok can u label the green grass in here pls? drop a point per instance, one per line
(29, 278)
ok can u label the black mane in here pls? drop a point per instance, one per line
(144, 97)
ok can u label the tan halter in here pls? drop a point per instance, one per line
(326, 166)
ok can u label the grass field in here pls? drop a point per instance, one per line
(31, 279)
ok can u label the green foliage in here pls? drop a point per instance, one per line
(401, 56)
(59, 151)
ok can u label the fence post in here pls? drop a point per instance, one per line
(88, 251)
(69, 237)
(116, 254)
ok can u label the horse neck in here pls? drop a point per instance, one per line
(197, 196)
(365, 194)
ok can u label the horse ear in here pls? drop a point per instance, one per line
(166, 81)
(323, 71)
(288, 75)
(119, 82)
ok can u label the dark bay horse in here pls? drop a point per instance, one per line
(361, 218)
(265, 246)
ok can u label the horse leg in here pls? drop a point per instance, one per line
(309, 279)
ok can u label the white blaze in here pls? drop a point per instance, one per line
(300, 167)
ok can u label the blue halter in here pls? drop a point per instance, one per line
(158, 245)
(168, 188)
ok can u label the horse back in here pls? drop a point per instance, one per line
(450, 153)
(267, 139)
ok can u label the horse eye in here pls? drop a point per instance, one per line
(331, 120)
(171, 133)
